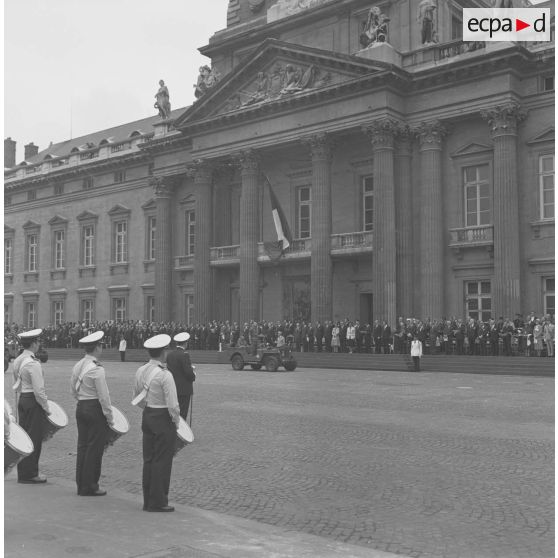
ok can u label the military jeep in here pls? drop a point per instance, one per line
(271, 358)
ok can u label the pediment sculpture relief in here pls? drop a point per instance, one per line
(281, 81)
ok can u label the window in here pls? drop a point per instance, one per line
(304, 212)
(150, 309)
(7, 312)
(549, 302)
(151, 231)
(59, 249)
(88, 245)
(31, 315)
(456, 28)
(8, 255)
(32, 252)
(119, 176)
(7, 200)
(477, 196)
(58, 189)
(478, 300)
(546, 186)
(548, 83)
(367, 203)
(120, 242)
(190, 232)
(31, 195)
(119, 309)
(58, 312)
(88, 183)
(189, 308)
(87, 310)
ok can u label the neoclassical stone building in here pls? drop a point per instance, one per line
(416, 173)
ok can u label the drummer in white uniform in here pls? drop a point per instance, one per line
(93, 415)
(155, 393)
(32, 406)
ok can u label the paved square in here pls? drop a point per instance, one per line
(426, 465)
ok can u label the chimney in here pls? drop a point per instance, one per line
(30, 151)
(9, 153)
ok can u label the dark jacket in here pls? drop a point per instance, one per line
(178, 362)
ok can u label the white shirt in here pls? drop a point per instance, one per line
(416, 348)
(28, 368)
(122, 346)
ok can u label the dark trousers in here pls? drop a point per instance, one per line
(92, 435)
(122, 356)
(32, 419)
(416, 362)
(159, 441)
(184, 403)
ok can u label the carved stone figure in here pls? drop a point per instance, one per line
(207, 78)
(425, 16)
(256, 5)
(162, 104)
(261, 93)
(375, 30)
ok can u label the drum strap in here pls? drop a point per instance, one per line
(17, 384)
(146, 384)
(82, 373)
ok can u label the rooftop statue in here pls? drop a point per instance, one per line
(425, 16)
(375, 29)
(207, 78)
(163, 101)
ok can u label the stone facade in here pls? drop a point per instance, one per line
(419, 188)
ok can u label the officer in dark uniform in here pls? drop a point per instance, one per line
(155, 392)
(180, 366)
(93, 415)
(32, 407)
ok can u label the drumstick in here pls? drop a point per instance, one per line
(191, 408)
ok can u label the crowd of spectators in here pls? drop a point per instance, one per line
(530, 335)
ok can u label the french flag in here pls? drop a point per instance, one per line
(282, 229)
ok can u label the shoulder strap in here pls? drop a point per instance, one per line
(83, 372)
(146, 385)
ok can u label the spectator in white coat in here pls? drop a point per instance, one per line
(416, 352)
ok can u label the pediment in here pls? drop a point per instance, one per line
(277, 71)
(119, 209)
(473, 148)
(8, 230)
(84, 215)
(545, 136)
(31, 225)
(58, 220)
(151, 204)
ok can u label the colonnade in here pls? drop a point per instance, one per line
(395, 265)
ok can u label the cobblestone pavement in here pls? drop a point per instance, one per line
(425, 465)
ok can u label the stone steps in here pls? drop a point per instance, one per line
(518, 365)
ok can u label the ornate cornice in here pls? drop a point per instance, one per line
(320, 145)
(503, 119)
(430, 134)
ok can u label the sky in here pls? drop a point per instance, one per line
(72, 67)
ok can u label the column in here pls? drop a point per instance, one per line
(503, 121)
(249, 232)
(202, 242)
(432, 230)
(404, 223)
(382, 134)
(321, 267)
(163, 187)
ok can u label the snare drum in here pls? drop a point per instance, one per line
(184, 436)
(120, 427)
(57, 420)
(16, 447)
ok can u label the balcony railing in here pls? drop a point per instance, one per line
(184, 262)
(472, 236)
(437, 52)
(351, 243)
(224, 255)
(299, 248)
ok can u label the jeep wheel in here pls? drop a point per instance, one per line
(271, 364)
(256, 366)
(237, 362)
(290, 365)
